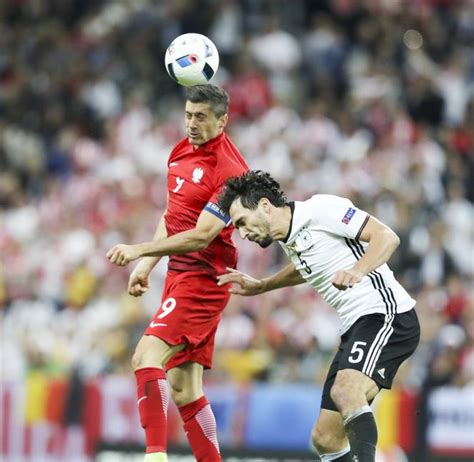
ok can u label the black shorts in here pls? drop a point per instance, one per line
(376, 345)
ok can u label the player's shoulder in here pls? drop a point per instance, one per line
(326, 200)
(229, 159)
(222, 145)
(319, 206)
(181, 146)
(227, 142)
(183, 143)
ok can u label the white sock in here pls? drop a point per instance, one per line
(357, 413)
(334, 455)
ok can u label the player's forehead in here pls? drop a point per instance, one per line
(238, 213)
(198, 108)
(236, 207)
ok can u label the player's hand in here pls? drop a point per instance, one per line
(245, 284)
(139, 281)
(346, 279)
(122, 254)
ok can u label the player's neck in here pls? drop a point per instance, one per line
(282, 222)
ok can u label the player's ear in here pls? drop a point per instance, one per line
(264, 204)
(223, 121)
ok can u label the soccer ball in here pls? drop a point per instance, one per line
(191, 59)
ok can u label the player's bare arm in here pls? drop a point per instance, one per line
(139, 280)
(382, 243)
(248, 285)
(207, 228)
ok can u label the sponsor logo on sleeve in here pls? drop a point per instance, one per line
(348, 216)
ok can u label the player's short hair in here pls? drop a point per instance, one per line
(250, 188)
(216, 96)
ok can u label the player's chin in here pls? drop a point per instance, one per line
(195, 140)
(264, 243)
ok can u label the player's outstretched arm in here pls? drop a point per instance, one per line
(139, 280)
(245, 284)
(382, 243)
(207, 228)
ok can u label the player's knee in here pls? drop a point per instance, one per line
(183, 392)
(179, 394)
(137, 360)
(319, 439)
(324, 441)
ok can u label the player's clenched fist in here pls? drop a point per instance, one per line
(138, 282)
(122, 254)
(345, 279)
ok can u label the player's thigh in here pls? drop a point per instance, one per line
(375, 346)
(352, 351)
(328, 434)
(153, 352)
(362, 345)
(353, 389)
(186, 382)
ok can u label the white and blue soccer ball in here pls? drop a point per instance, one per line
(191, 59)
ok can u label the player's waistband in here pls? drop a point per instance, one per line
(198, 266)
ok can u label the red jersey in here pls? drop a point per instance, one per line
(195, 180)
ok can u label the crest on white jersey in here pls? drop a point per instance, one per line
(305, 237)
(197, 174)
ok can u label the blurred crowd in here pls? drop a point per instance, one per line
(369, 99)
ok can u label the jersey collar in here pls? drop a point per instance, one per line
(292, 208)
(211, 144)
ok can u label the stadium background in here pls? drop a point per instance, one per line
(370, 99)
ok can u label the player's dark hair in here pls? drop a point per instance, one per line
(251, 187)
(216, 96)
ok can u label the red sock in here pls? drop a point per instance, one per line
(153, 398)
(200, 428)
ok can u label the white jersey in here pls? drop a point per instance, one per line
(324, 238)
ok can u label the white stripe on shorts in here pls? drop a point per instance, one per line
(377, 345)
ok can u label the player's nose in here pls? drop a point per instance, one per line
(193, 122)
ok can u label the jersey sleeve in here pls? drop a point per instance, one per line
(338, 215)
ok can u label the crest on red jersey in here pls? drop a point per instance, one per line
(197, 174)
